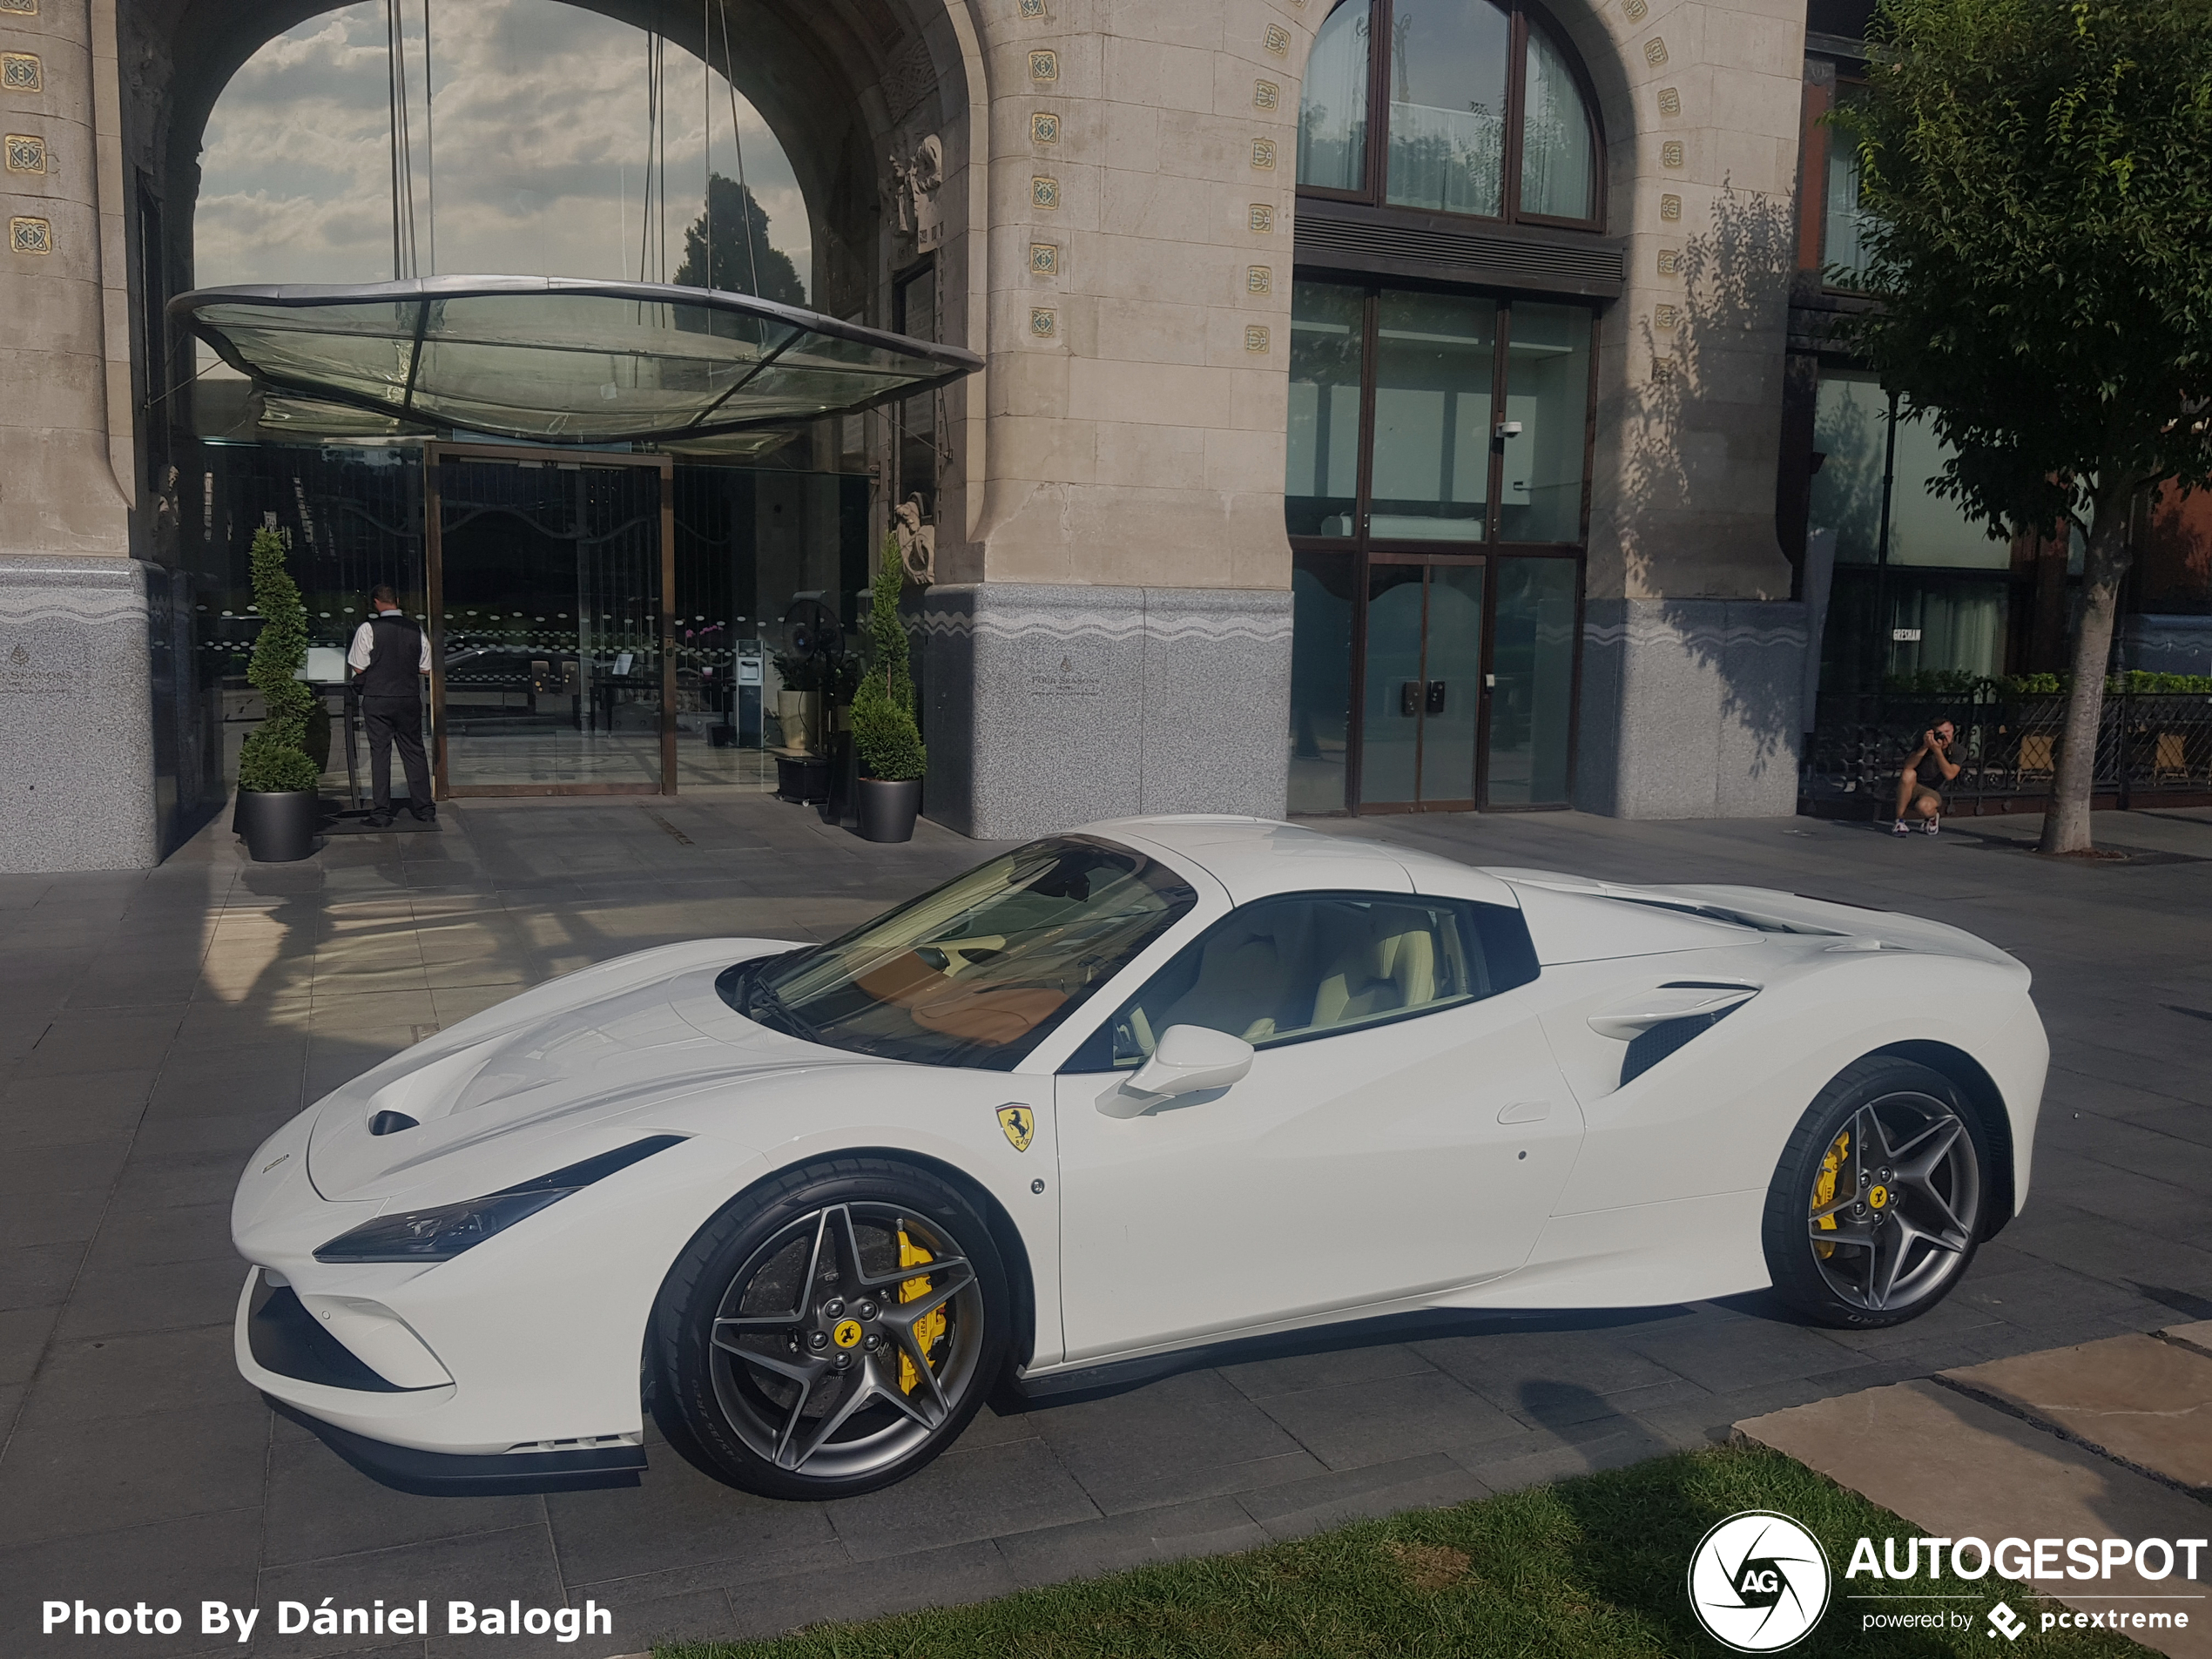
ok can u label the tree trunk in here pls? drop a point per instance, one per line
(2065, 825)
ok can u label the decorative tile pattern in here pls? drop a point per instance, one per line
(1670, 208)
(1663, 316)
(1277, 39)
(26, 153)
(1044, 127)
(1263, 154)
(1044, 66)
(20, 8)
(1033, 8)
(1669, 262)
(1670, 101)
(1634, 9)
(1044, 193)
(1662, 368)
(1255, 338)
(1266, 95)
(1044, 258)
(1670, 154)
(1262, 217)
(1043, 323)
(1655, 51)
(1259, 279)
(20, 72)
(31, 236)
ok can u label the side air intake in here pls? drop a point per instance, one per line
(1657, 1042)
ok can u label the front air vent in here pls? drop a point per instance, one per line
(392, 1123)
(1655, 1043)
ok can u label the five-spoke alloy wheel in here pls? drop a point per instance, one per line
(1876, 1206)
(830, 1333)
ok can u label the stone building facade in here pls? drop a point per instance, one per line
(1104, 194)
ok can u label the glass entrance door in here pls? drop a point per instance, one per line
(546, 582)
(1422, 685)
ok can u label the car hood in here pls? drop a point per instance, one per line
(522, 1081)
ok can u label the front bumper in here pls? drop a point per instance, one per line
(309, 1376)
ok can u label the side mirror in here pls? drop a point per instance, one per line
(1191, 1058)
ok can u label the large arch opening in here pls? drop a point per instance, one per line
(605, 623)
(1442, 365)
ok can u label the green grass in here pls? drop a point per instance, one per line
(1591, 1567)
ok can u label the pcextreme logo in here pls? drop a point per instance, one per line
(1758, 1582)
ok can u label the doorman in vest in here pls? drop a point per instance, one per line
(388, 656)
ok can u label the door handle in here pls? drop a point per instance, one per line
(1436, 697)
(1409, 699)
(1525, 1111)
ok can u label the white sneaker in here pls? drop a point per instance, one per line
(1901, 828)
(1932, 825)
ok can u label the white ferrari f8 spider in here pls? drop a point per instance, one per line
(1151, 1086)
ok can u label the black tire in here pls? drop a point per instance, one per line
(755, 1408)
(1885, 1239)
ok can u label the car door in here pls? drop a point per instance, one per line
(1403, 1129)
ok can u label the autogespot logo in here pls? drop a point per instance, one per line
(1758, 1582)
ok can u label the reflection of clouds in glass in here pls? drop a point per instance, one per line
(540, 149)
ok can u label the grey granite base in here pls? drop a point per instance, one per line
(1690, 708)
(1046, 707)
(2168, 645)
(77, 751)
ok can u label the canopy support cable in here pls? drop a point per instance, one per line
(747, 207)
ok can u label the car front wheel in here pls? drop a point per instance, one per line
(1876, 1208)
(829, 1332)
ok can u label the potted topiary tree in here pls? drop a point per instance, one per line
(886, 740)
(277, 796)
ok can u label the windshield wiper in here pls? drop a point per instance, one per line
(749, 991)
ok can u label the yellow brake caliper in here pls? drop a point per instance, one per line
(930, 1328)
(1823, 1189)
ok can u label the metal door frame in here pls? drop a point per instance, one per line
(435, 580)
(1356, 755)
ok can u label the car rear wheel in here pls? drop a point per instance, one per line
(1876, 1208)
(829, 1332)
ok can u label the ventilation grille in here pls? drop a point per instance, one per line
(1586, 266)
(1652, 1046)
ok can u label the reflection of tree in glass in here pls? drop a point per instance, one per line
(1847, 491)
(741, 264)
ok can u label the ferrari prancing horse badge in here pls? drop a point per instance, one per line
(1020, 1124)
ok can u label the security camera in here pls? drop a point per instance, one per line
(1508, 428)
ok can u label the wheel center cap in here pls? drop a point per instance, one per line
(1879, 1197)
(848, 1334)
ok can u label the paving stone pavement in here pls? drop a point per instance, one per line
(155, 1026)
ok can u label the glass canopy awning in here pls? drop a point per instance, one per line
(553, 359)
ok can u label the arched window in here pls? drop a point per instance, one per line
(1481, 112)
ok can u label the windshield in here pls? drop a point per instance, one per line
(978, 972)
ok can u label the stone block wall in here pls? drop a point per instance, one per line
(1047, 706)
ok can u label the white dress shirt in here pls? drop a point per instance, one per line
(364, 646)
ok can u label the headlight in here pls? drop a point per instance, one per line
(440, 1235)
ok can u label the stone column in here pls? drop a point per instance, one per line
(75, 741)
(1117, 639)
(1692, 650)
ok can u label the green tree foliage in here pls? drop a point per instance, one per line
(2039, 177)
(275, 756)
(884, 733)
(738, 267)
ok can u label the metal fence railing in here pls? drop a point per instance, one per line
(2154, 745)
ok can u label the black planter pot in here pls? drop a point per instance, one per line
(888, 811)
(278, 825)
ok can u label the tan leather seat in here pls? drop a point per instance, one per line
(1387, 964)
(1243, 977)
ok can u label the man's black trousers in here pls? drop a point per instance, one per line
(389, 720)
